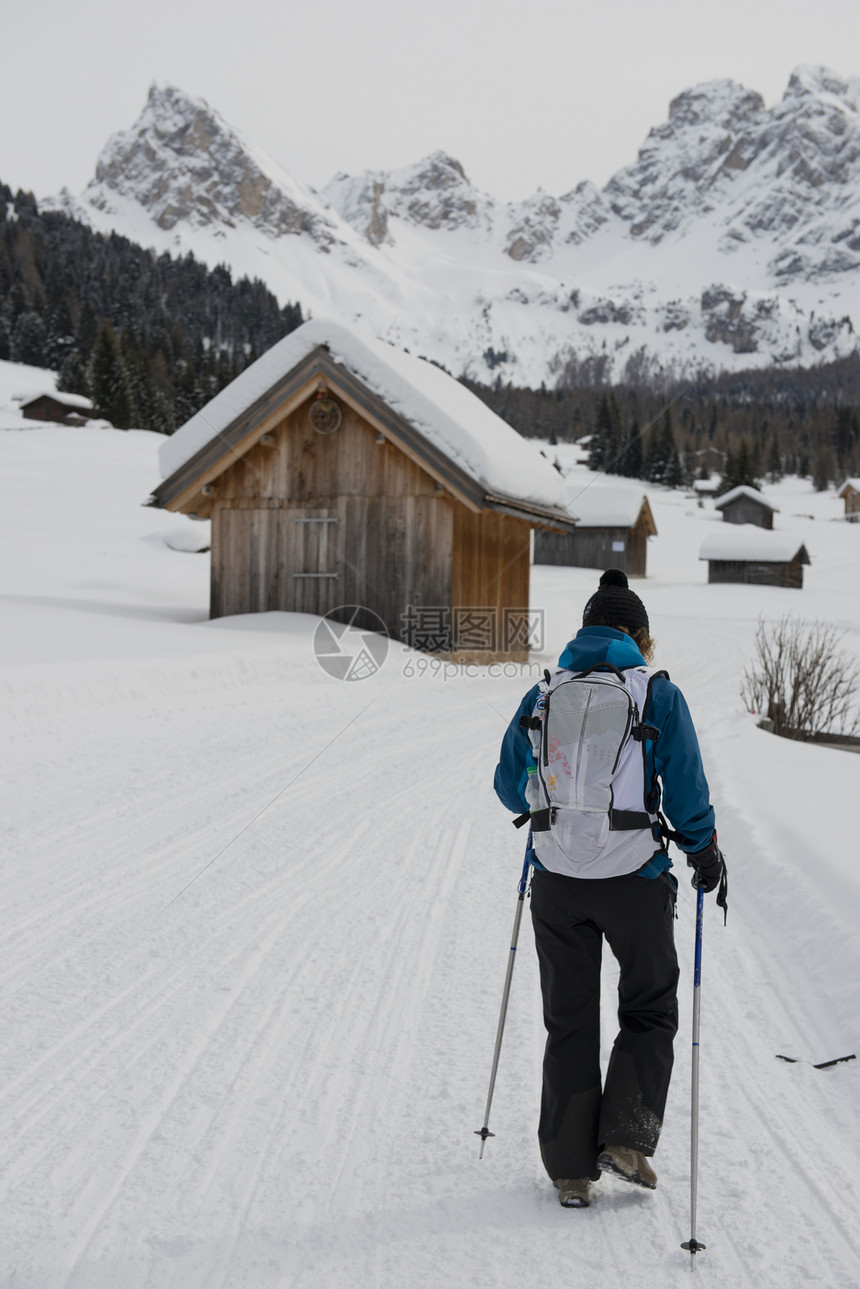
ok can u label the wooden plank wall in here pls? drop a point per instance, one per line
(381, 533)
(637, 550)
(755, 573)
(584, 548)
(490, 571)
(745, 510)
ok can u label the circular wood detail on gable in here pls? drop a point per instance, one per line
(325, 415)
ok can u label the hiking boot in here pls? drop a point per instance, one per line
(573, 1192)
(629, 1165)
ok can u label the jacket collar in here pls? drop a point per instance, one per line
(593, 645)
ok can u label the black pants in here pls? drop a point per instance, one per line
(571, 916)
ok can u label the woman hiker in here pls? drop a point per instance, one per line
(588, 765)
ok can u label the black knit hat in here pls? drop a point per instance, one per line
(614, 604)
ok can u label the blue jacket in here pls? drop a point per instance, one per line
(674, 756)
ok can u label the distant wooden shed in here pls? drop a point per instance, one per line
(744, 553)
(346, 478)
(744, 505)
(706, 487)
(850, 492)
(65, 409)
(612, 530)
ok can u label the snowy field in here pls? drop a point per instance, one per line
(256, 927)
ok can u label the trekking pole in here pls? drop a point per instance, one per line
(484, 1132)
(693, 1244)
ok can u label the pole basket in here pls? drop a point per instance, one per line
(693, 1246)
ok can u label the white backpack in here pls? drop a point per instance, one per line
(587, 793)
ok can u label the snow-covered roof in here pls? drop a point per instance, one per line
(60, 396)
(849, 483)
(743, 490)
(451, 418)
(749, 542)
(597, 507)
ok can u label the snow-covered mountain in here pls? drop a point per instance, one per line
(732, 241)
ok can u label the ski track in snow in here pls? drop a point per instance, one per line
(274, 1078)
(267, 1070)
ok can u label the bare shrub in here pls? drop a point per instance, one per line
(801, 680)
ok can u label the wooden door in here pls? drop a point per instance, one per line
(266, 558)
(310, 544)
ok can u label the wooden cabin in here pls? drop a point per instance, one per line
(65, 409)
(346, 478)
(745, 553)
(744, 505)
(612, 530)
(706, 487)
(850, 492)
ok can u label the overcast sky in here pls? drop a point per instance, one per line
(532, 94)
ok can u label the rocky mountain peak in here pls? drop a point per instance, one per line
(754, 171)
(709, 135)
(734, 237)
(433, 193)
(721, 103)
(807, 81)
(185, 165)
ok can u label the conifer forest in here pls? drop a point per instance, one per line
(149, 338)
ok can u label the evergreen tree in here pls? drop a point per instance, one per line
(601, 438)
(755, 457)
(27, 342)
(774, 461)
(738, 470)
(823, 468)
(662, 463)
(674, 474)
(651, 467)
(73, 376)
(631, 461)
(845, 435)
(730, 474)
(109, 382)
(745, 468)
(674, 470)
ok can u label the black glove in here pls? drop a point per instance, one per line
(708, 867)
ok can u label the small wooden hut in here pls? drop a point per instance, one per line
(744, 505)
(346, 478)
(65, 409)
(706, 487)
(745, 553)
(850, 492)
(612, 530)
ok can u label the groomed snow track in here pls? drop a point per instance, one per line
(266, 1069)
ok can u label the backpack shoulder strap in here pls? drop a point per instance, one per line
(651, 733)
